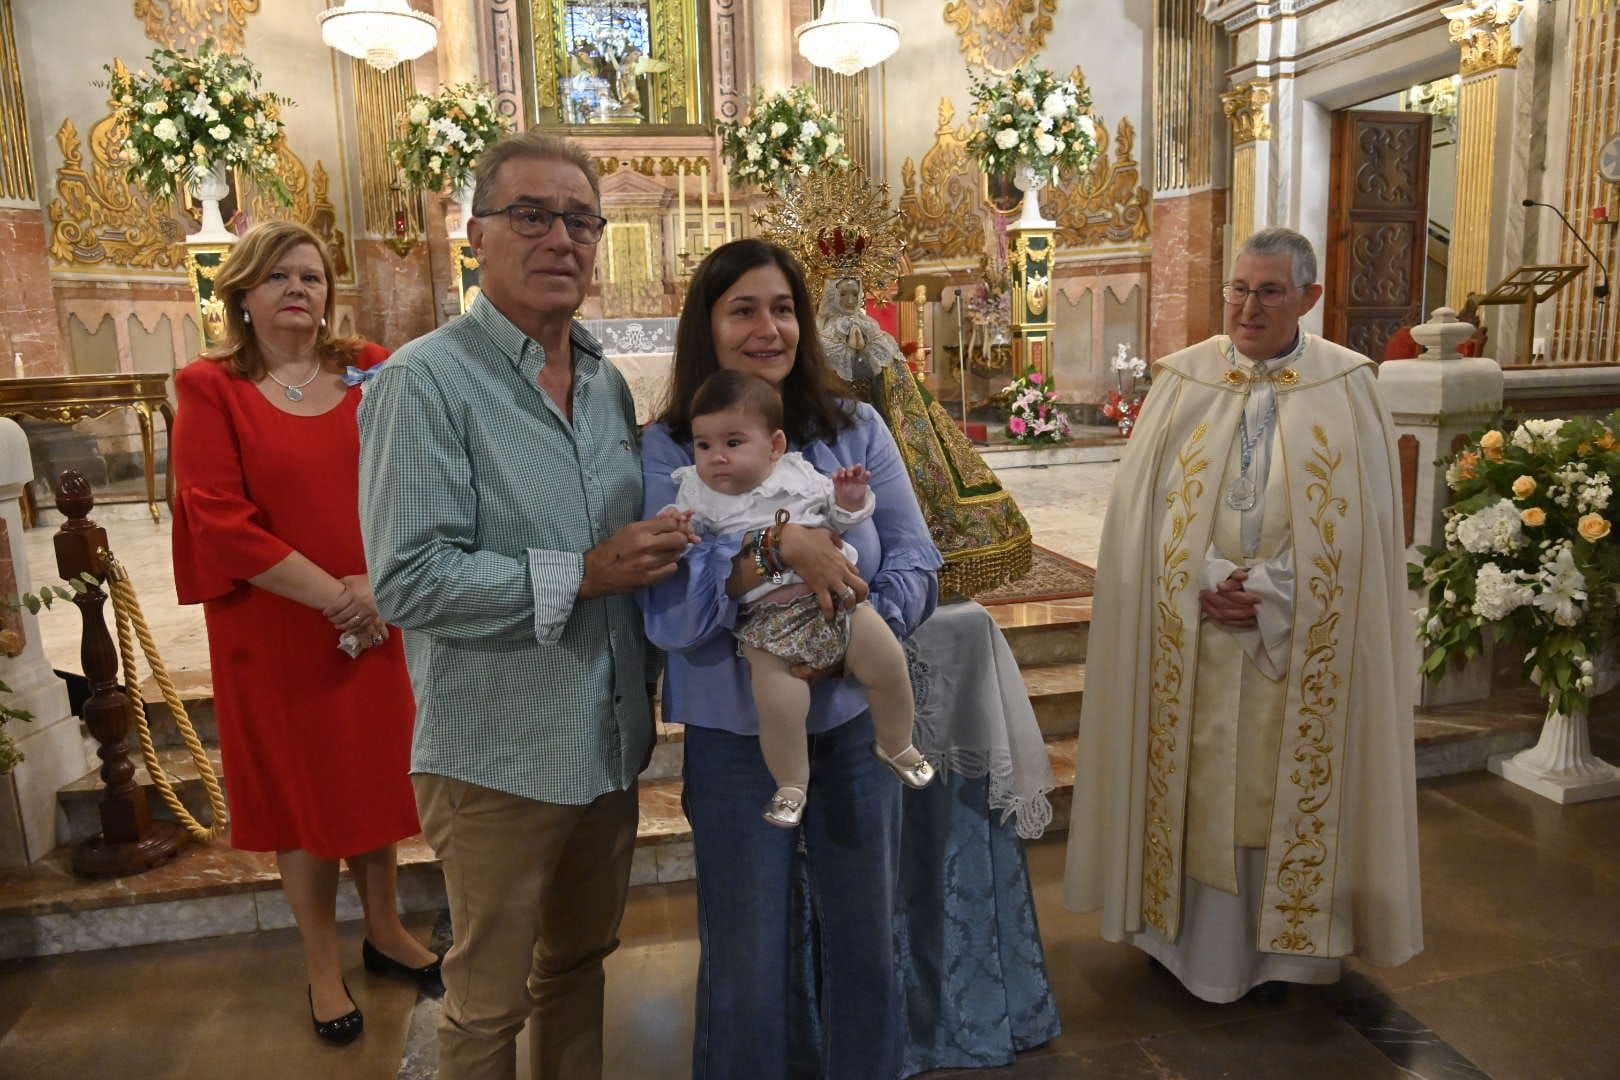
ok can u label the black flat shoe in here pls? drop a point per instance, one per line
(344, 1029)
(427, 976)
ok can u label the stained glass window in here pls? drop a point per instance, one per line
(610, 62)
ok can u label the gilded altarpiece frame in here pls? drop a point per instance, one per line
(602, 86)
(945, 208)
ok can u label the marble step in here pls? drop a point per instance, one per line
(1054, 691)
(196, 691)
(213, 890)
(1039, 633)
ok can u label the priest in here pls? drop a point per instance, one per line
(1244, 800)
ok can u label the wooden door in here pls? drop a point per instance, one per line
(1378, 219)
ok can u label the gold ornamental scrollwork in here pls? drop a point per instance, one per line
(999, 35)
(1247, 106)
(1109, 205)
(942, 203)
(97, 218)
(1299, 871)
(1161, 853)
(1484, 32)
(186, 24)
(545, 16)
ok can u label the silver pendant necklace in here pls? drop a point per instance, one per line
(295, 391)
(1242, 492)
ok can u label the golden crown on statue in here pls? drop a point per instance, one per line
(837, 226)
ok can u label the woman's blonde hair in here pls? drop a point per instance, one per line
(249, 263)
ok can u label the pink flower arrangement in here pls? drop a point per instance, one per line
(1034, 417)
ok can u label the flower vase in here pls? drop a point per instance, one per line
(1030, 181)
(463, 199)
(1561, 766)
(208, 187)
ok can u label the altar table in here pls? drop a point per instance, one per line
(67, 399)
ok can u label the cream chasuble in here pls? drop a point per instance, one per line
(1294, 738)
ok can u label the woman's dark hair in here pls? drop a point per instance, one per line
(727, 389)
(812, 408)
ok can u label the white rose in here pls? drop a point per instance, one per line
(435, 162)
(166, 130)
(153, 108)
(1045, 124)
(220, 132)
(1088, 126)
(778, 130)
(419, 113)
(1007, 138)
(809, 130)
(752, 151)
(1054, 105)
(1045, 143)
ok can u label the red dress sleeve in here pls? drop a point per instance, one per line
(371, 354)
(219, 536)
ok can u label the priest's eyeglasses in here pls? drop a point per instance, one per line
(1268, 295)
(533, 221)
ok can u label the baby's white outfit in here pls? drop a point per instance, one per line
(794, 485)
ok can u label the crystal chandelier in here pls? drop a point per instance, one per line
(848, 37)
(380, 32)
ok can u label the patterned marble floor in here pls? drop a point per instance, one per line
(1518, 979)
(1064, 505)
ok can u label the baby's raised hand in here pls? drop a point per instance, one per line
(850, 485)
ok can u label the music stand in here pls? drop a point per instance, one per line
(1528, 286)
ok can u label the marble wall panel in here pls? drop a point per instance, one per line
(398, 301)
(1188, 238)
(28, 325)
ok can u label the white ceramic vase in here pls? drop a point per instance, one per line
(1030, 181)
(1561, 766)
(208, 188)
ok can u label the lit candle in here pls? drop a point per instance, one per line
(704, 180)
(725, 200)
(680, 209)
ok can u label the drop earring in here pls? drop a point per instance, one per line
(323, 322)
(246, 318)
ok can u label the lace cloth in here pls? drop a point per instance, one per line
(973, 713)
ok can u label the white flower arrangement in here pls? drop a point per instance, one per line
(193, 113)
(1530, 553)
(1033, 118)
(441, 136)
(783, 137)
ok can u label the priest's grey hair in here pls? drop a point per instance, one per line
(1281, 241)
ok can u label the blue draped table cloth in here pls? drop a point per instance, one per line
(967, 942)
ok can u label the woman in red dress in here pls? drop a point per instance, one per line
(315, 743)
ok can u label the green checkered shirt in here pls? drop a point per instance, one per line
(478, 501)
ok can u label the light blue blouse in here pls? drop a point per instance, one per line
(690, 616)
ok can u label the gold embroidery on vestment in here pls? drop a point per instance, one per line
(1161, 866)
(1299, 875)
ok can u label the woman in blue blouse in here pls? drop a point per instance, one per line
(747, 309)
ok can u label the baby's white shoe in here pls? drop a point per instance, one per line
(786, 808)
(909, 765)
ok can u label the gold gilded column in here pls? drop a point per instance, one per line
(1247, 106)
(379, 102)
(1483, 29)
(16, 160)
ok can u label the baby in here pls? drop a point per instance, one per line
(745, 480)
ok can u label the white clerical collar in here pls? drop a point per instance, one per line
(1289, 354)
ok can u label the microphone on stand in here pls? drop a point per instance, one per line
(1601, 291)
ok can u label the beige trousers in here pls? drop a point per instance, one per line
(536, 893)
(874, 658)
